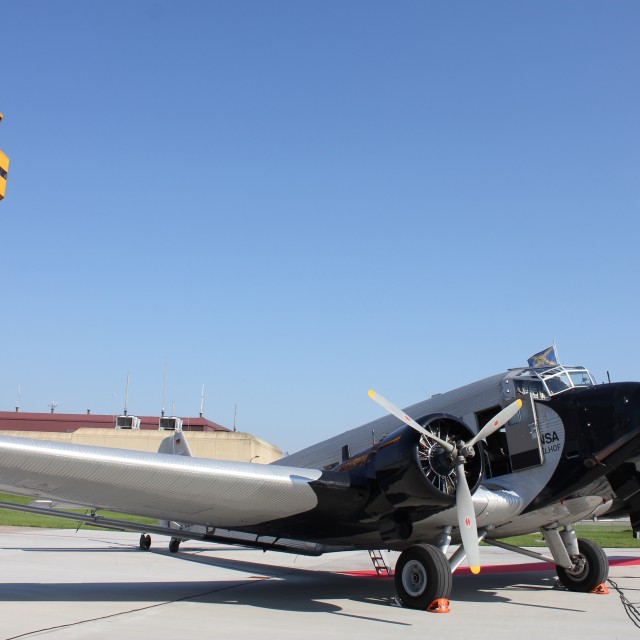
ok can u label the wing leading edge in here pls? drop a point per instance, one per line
(193, 490)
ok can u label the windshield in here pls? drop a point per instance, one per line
(580, 378)
(558, 383)
(559, 379)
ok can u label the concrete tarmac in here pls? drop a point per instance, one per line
(95, 584)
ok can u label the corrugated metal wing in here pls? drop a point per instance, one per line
(193, 490)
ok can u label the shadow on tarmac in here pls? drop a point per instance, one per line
(277, 587)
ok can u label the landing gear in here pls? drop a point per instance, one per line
(174, 545)
(422, 575)
(585, 563)
(590, 568)
(145, 542)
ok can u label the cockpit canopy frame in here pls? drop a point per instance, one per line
(561, 378)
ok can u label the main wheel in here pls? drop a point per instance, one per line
(174, 545)
(422, 575)
(145, 542)
(590, 568)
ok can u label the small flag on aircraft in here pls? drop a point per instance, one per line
(544, 358)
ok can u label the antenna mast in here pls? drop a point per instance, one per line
(126, 395)
(164, 389)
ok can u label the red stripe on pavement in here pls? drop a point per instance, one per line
(620, 561)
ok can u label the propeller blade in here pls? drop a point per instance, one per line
(467, 519)
(393, 410)
(496, 422)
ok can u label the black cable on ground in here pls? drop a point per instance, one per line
(123, 613)
(629, 608)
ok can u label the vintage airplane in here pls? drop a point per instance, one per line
(555, 448)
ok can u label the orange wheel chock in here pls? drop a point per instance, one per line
(441, 605)
(601, 589)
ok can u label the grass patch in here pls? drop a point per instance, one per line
(10, 518)
(610, 535)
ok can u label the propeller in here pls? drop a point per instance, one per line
(401, 415)
(464, 501)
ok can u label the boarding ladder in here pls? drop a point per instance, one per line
(381, 562)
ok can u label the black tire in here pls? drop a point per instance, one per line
(422, 575)
(592, 568)
(145, 542)
(174, 545)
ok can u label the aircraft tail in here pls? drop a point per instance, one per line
(176, 444)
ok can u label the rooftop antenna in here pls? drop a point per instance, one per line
(18, 399)
(173, 408)
(235, 413)
(202, 403)
(164, 389)
(53, 406)
(126, 395)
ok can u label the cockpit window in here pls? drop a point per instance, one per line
(558, 383)
(580, 379)
(561, 378)
(533, 388)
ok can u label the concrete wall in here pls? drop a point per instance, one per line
(220, 445)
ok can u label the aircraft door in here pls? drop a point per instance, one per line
(523, 437)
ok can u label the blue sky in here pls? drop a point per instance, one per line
(294, 202)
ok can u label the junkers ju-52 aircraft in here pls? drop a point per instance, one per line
(532, 449)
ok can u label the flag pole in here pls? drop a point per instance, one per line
(555, 350)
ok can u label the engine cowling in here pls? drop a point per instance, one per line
(410, 475)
